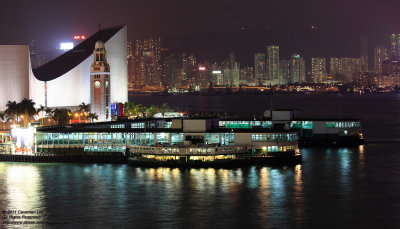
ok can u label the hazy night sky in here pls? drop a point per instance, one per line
(209, 23)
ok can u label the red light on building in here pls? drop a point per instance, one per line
(76, 37)
(201, 68)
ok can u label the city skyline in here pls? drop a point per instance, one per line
(306, 26)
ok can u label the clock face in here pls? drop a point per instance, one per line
(96, 84)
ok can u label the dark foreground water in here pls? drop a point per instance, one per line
(333, 187)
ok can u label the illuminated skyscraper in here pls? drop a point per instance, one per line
(247, 76)
(231, 71)
(284, 72)
(297, 69)
(344, 69)
(259, 68)
(318, 69)
(380, 55)
(147, 56)
(364, 53)
(334, 66)
(394, 46)
(273, 64)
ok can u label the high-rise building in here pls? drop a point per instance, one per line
(273, 64)
(231, 71)
(247, 76)
(216, 75)
(380, 55)
(364, 53)
(297, 69)
(334, 66)
(344, 69)
(100, 98)
(191, 69)
(318, 69)
(284, 72)
(147, 61)
(259, 68)
(394, 46)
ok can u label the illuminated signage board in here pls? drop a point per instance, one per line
(66, 46)
(201, 68)
(216, 72)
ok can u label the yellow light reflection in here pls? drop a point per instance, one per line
(24, 187)
(361, 159)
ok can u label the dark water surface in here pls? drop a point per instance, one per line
(333, 187)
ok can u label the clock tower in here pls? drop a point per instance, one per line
(100, 83)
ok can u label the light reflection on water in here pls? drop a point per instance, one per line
(21, 190)
(331, 183)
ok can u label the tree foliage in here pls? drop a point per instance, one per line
(132, 110)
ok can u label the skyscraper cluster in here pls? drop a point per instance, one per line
(144, 62)
(148, 66)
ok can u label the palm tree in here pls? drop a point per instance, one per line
(84, 109)
(93, 116)
(40, 110)
(12, 110)
(61, 116)
(27, 107)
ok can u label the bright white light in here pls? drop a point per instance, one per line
(23, 137)
(66, 46)
(216, 72)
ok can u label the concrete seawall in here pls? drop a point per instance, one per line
(115, 159)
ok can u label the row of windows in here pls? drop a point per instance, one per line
(108, 138)
(127, 138)
(149, 138)
(342, 124)
(302, 124)
(119, 126)
(137, 125)
(105, 148)
(142, 125)
(245, 124)
(274, 137)
(280, 148)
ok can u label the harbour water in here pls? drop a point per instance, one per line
(333, 188)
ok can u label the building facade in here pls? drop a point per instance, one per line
(273, 64)
(297, 69)
(259, 67)
(14, 73)
(380, 55)
(318, 70)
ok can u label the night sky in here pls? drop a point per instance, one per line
(211, 28)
